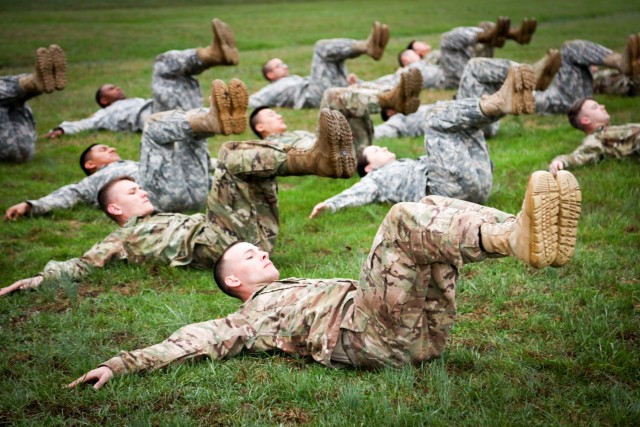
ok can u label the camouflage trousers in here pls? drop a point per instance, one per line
(173, 84)
(573, 81)
(610, 81)
(457, 154)
(174, 163)
(405, 306)
(243, 201)
(17, 124)
(457, 47)
(356, 104)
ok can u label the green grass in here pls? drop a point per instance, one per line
(530, 347)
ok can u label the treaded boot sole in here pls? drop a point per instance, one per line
(44, 70)
(546, 69)
(541, 206)
(569, 213)
(373, 49)
(226, 40)
(221, 106)
(347, 149)
(239, 102)
(59, 61)
(328, 142)
(411, 85)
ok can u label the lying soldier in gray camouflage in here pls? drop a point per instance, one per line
(402, 309)
(242, 204)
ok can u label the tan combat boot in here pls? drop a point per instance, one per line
(546, 68)
(515, 96)
(222, 50)
(377, 41)
(570, 201)
(217, 121)
(42, 79)
(59, 65)
(533, 235)
(629, 61)
(495, 34)
(332, 155)
(524, 32)
(405, 96)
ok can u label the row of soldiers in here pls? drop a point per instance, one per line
(403, 307)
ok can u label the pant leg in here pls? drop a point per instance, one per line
(574, 80)
(356, 104)
(174, 163)
(17, 124)
(405, 305)
(243, 200)
(457, 47)
(328, 67)
(457, 154)
(173, 84)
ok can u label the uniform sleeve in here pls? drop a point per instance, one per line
(66, 197)
(361, 193)
(90, 123)
(216, 339)
(590, 151)
(111, 249)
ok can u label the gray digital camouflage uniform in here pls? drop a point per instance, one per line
(400, 312)
(573, 81)
(17, 125)
(611, 141)
(328, 69)
(614, 82)
(242, 205)
(457, 162)
(401, 125)
(173, 87)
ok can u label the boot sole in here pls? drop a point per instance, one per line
(329, 132)
(59, 61)
(44, 69)
(239, 103)
(542, 203)
(568, 216)
(347, 149)
(227, 41)
(549, 70)
(220, 96)
(411, 85)
(523, 85)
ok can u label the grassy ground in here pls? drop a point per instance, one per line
(548, 347)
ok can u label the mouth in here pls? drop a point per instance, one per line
(267, 265)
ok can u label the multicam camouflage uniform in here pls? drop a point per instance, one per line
(614, 82)
(457, 47)
(400, 312)
(457, 162)
(17, 125)
(401, 125)
(327, 70)
(242, 205)
(573, 81)
(173, 86)
(610, 141)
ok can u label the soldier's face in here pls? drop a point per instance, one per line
(130, 200)
(269, 122)
(421, 48)
(101, 155)
(409, 57)
(111, 93)
(593, 112)
(277, 69)
(250, 265)
(378, 157)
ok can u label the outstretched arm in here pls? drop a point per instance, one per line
(30, 283)
(100, 376)
(17, 211)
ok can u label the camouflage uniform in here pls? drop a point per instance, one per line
(573, 81)
(610, 81)
(327, 70)
(17, 125)
(457, 162)
(242, 205)
(401, 125)
(400, 312)
(173, 87)
(610, 141)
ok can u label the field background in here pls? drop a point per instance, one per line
(530, 347)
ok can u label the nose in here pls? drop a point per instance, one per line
(264, 255)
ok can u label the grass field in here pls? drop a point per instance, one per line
(530, 347)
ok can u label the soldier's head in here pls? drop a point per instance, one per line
(373, 157)
(274, 69)
(97, 155)
(242, 268)
(407, 57)
(421, 48)
(587, 115)
(265, 121)
(122, 198)
(109, 93)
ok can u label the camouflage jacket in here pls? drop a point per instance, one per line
(300, 139)
(125, 115)
(611, 141)
(403, 180)
(400, 125)
(297, 316)
(84, 191)
(170, 239)
(284, 92)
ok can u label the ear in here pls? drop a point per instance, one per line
(260, 127)
(232, 281)
(104, 101)
(114, 209)
(584, 121)
(368, 168)
(90, 165)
